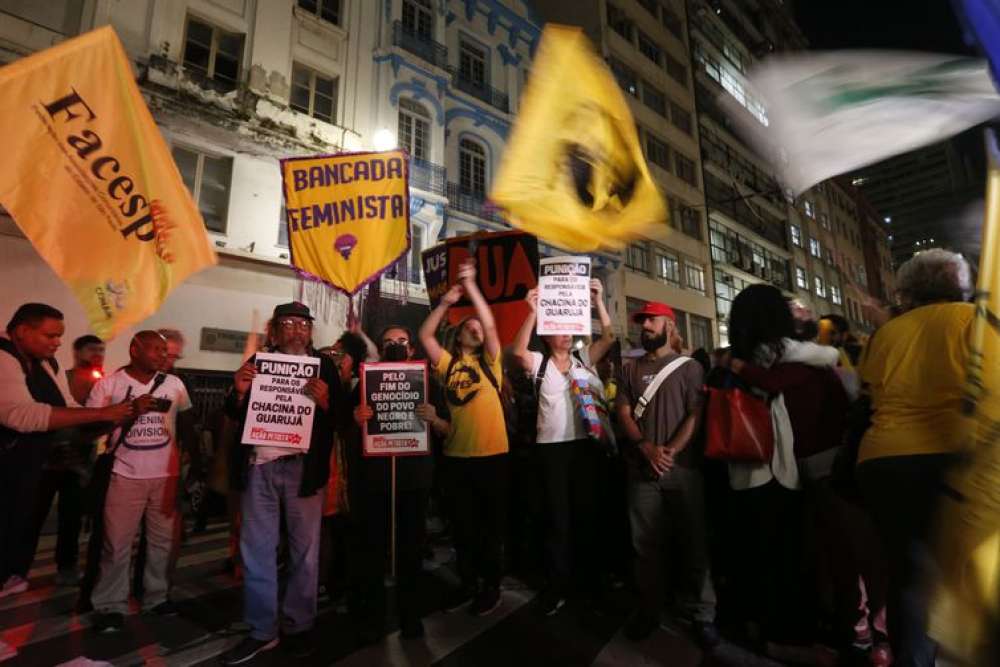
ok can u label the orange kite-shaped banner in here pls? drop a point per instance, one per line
(90, 181)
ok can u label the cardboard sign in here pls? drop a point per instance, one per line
(506, 268)
(564, 296)
(395, 390)
(280, 415)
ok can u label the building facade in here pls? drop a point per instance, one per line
(235, 85)
(645, 44)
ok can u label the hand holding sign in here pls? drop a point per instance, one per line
(532, 299)
(453, 295)
(244, 378)
(318, 391)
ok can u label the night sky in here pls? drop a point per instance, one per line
(923, 25)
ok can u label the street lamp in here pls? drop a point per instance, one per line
(384, 139)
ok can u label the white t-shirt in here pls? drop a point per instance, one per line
(559, 419)
(149, 450)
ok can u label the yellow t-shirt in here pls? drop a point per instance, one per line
(915, 368)
(477, 422)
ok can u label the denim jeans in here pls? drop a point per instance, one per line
(273, 488)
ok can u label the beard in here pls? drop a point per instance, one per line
(653, 342)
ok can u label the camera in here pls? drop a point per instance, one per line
(160, 405)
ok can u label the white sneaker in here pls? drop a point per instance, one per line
(13, 586)
(7, 651)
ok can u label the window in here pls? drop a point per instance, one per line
(796, 235)
(328, 10)
(809, 209)
(60, 17)
(835, 295)
(625, 76)
(414, 129)
(657, 152)
(685, 169)
(414, 267)
(472, 167)
(472, 64)
(668, 268)
(680, 117)
(801, 279)
(653, 98)
(824, 221)
(694, 277)
(701, 333)
(636, 258)
(814, 248)
(418, 18)
(282, 227)
(820, 289)
(686, 219)
(213, 54)
(208, 178)
(314, 94)
(619, 22)
(672, 22)
(677, 70)
(829, 256)
(862, 275)
(648, 48)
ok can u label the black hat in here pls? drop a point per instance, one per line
(293, 309)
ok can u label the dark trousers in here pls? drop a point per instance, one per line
(66, 483)
(20, 471)
(570, 485)
(901, 493)
(369, 558)
(769, 571)
(478, 488)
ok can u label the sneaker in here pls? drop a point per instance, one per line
(641, 626)
(550, 602)
(7, 652)
(457, 599)
(705, 634)
(108, 623)
(247, 650)
(13, 586)
(166, 608)
(411, 628)
(67, 578)
(486, 602)
(299, 645)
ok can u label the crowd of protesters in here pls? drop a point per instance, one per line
(593, 460)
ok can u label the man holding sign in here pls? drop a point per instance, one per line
(284, 404)
(393, 409)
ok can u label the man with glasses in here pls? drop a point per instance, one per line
(280, 483)
(369, 498)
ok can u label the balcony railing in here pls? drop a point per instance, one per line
(427, 176)
(419, 45)
(474, 203)
(481, 91)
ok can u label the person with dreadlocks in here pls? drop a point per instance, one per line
(475, 449)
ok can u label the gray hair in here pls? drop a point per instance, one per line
(172, 335)
(932, 276)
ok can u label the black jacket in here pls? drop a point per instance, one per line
(316, 467)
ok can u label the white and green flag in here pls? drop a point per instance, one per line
(830, 113)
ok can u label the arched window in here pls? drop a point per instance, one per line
(472, 167)
(418, 18)
(414, 129)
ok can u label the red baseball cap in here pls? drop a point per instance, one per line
(654, 309)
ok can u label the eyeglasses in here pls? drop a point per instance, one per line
(397, 341)
(289, 325)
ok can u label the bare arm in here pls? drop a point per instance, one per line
(660, 458)
(467, 278)
(67, 417)
(520, 348)
(685, 433)
(600, 347)
(428, 330)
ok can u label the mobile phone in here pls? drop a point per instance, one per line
(161, 405)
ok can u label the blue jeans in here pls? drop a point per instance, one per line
(271, 488)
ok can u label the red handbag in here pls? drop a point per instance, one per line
(738, 427)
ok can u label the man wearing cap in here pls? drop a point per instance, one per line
(282, 483)
(665, 490)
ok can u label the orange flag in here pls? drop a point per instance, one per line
(90, 181)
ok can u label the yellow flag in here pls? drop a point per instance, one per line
(89, 179)
(964, 613)
(348, 215)
(573, 172)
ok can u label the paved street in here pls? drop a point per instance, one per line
(47, 631)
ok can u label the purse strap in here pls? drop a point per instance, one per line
(654, 386)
